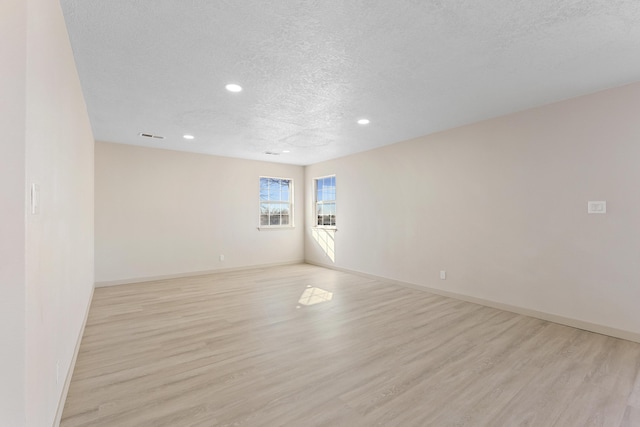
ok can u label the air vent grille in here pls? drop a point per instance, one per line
(150, 135)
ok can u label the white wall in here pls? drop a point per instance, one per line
(47, 259)
(501, 205)
(161, 212)
(13, 39)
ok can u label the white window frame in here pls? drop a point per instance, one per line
(317, 203)
(289, 202)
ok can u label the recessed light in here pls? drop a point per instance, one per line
(286, 151)
(232, 87)
(363, 122)
(188, 136)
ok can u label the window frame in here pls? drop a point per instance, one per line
(290, 203)
(317, 202)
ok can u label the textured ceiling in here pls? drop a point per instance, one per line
(310, 69)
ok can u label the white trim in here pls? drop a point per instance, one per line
(325, 176)
(567, 321)
(67, 381)
(190, 274)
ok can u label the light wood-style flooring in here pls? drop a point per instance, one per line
(305, 346)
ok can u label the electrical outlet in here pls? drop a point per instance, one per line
(597, 207)
(221, 257)
(443, 274)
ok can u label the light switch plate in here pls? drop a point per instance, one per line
(35, 199)
(597, 207)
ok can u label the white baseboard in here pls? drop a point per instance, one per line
(567, 321)
(190, 274)
(67, 381)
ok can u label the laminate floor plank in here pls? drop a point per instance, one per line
(631, 417)
(306, 346)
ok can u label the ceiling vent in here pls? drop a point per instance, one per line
(150, 135)
(271, 153)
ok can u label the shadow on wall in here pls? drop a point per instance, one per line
(326, 240)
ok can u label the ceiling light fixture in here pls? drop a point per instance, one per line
(286, 151)
(363, 121)
(232, 87)
(186, 136)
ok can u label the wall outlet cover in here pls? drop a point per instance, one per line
(597, 207)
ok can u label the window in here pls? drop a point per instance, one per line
(325, 195)
(276, 202)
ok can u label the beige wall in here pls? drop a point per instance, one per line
(59, 240)
(501, 205)
(47, 259)
(13, 43)
(161, 212)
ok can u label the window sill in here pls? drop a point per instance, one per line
(275, 227)
(325, 227)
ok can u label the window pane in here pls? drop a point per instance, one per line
(285, 190)
(319, 190)
(274, 220)
(264, 208)
(277, 208)
(326, 187)
(329, 209)
(264, 189)
(332, 188)
(284, 220)
(264, 219)
(274, 189)
(326, 214)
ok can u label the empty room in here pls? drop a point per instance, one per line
(320, 213)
